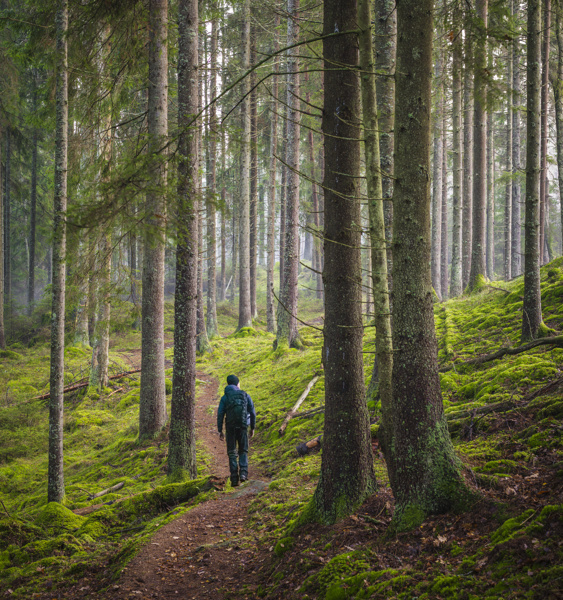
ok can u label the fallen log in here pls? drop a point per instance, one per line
(307, 447)
(109, 490)
(553, 341)
(78, 386)
(299, 402)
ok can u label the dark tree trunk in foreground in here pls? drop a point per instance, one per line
(531, 310)
(245, 309)
(8, 222)
(56, 484)
(347, 475)
(436, 263)
(152, 406)
(287, 323)
(422, 465)
(478, 245)
(444, 211)
(182, 448)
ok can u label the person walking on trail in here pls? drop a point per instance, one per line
(237, 410)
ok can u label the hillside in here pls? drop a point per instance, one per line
(504, 416)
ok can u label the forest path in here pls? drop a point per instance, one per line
(199, 554)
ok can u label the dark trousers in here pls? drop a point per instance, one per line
(237, 437)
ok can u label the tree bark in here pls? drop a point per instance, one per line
(479, 240)
(32, 217)
(152, 406)
(182, 447)
(557, 83)
(437, 177)
(245, 308)
(490, 233)
(2, 331)
(545, 47)
(287, 322)
(8, 222)
(253, 178)
(516, 187)
(444, 209)
(531, 309)
(56, 485)
(467, 230)
(385, 27)
(382, 314)
(422, 465)
(212, 329)
(457, 200)
(271, 255)
(507, 270)
(347, 475)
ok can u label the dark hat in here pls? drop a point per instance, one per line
(232, 380)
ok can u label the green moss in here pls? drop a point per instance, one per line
(57, 517)
(10, 355)
(338, 568)
(283, 546)
(500, 466)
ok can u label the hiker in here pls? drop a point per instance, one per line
(237, 410)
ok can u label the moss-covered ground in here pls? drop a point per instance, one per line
(504, 416)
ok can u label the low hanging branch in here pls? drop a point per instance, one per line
(554, 341)
(296, 406)
(77, 386)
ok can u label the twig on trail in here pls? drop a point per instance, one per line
(299, 402)
(556, 341)
(372, 520)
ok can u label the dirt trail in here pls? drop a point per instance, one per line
(198, 555)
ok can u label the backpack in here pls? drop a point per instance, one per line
(236, 409)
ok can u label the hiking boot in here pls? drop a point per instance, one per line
(243, 478)
(234, 483)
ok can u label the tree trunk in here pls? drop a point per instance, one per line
(479, 240)
(347, 475)
(32, 219)
(467, 229)
(287, 323)
(81, 337)
(546, 33)
(152, 406)
(422, 464)
(253, 178)
(490, 234)
(516, 188)
(507, 271)
(557, 83)
(100, 349)
(2, 332)
(385, 26)
(56, 485)
(271, 259)
(212, 329)
(455, 285)
(283, 198)
(8, 222)
(531, 310)
(245, 308)
(182, 447)
(437, 177)
(444, 210)
(378, 243)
